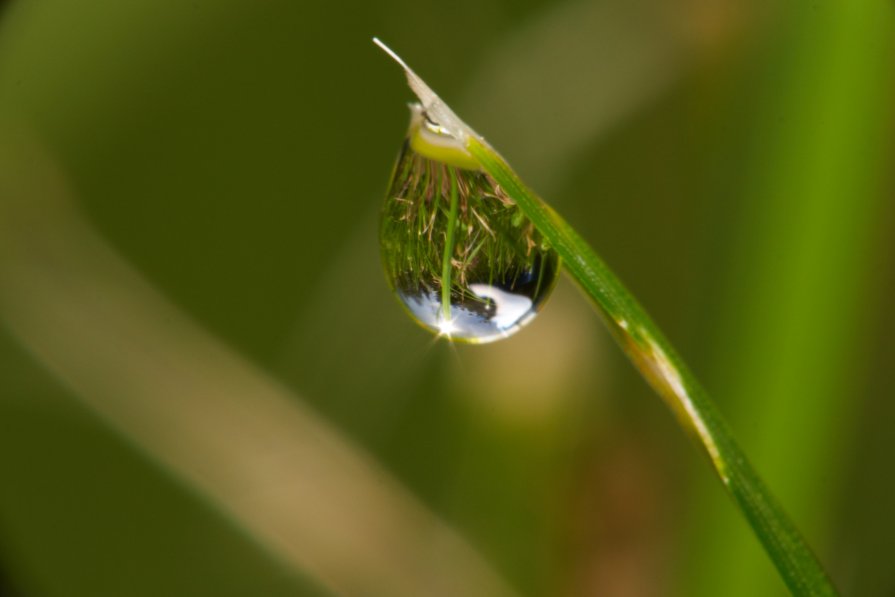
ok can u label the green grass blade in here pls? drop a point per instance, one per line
(659, 364)
(646, 347)
(449, 248)
(798, 298)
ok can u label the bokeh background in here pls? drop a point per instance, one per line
(206, 388)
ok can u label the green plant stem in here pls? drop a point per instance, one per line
(449, 247)
(812, 188)
(654, 357)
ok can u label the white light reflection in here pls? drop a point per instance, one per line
(510, 308)
(446, 327)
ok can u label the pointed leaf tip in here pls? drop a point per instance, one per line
(435, 108)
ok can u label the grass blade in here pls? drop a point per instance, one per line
(798, 307)
(651, 354)
(665, 371)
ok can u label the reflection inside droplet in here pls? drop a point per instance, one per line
(509, 309)
(457, 251)
(496, 315)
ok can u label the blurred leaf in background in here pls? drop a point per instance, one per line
(206, 389)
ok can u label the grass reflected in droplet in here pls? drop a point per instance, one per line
(459, 254)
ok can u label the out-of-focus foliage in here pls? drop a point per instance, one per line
(206, 389)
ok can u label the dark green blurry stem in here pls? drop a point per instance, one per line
(798, 307)
(449, 247)
(668, 375)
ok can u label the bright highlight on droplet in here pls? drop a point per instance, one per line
(446, 327)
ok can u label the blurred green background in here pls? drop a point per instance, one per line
(206, 389)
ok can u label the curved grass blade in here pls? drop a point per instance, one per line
(651, 354)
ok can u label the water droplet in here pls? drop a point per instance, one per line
(461, 257)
